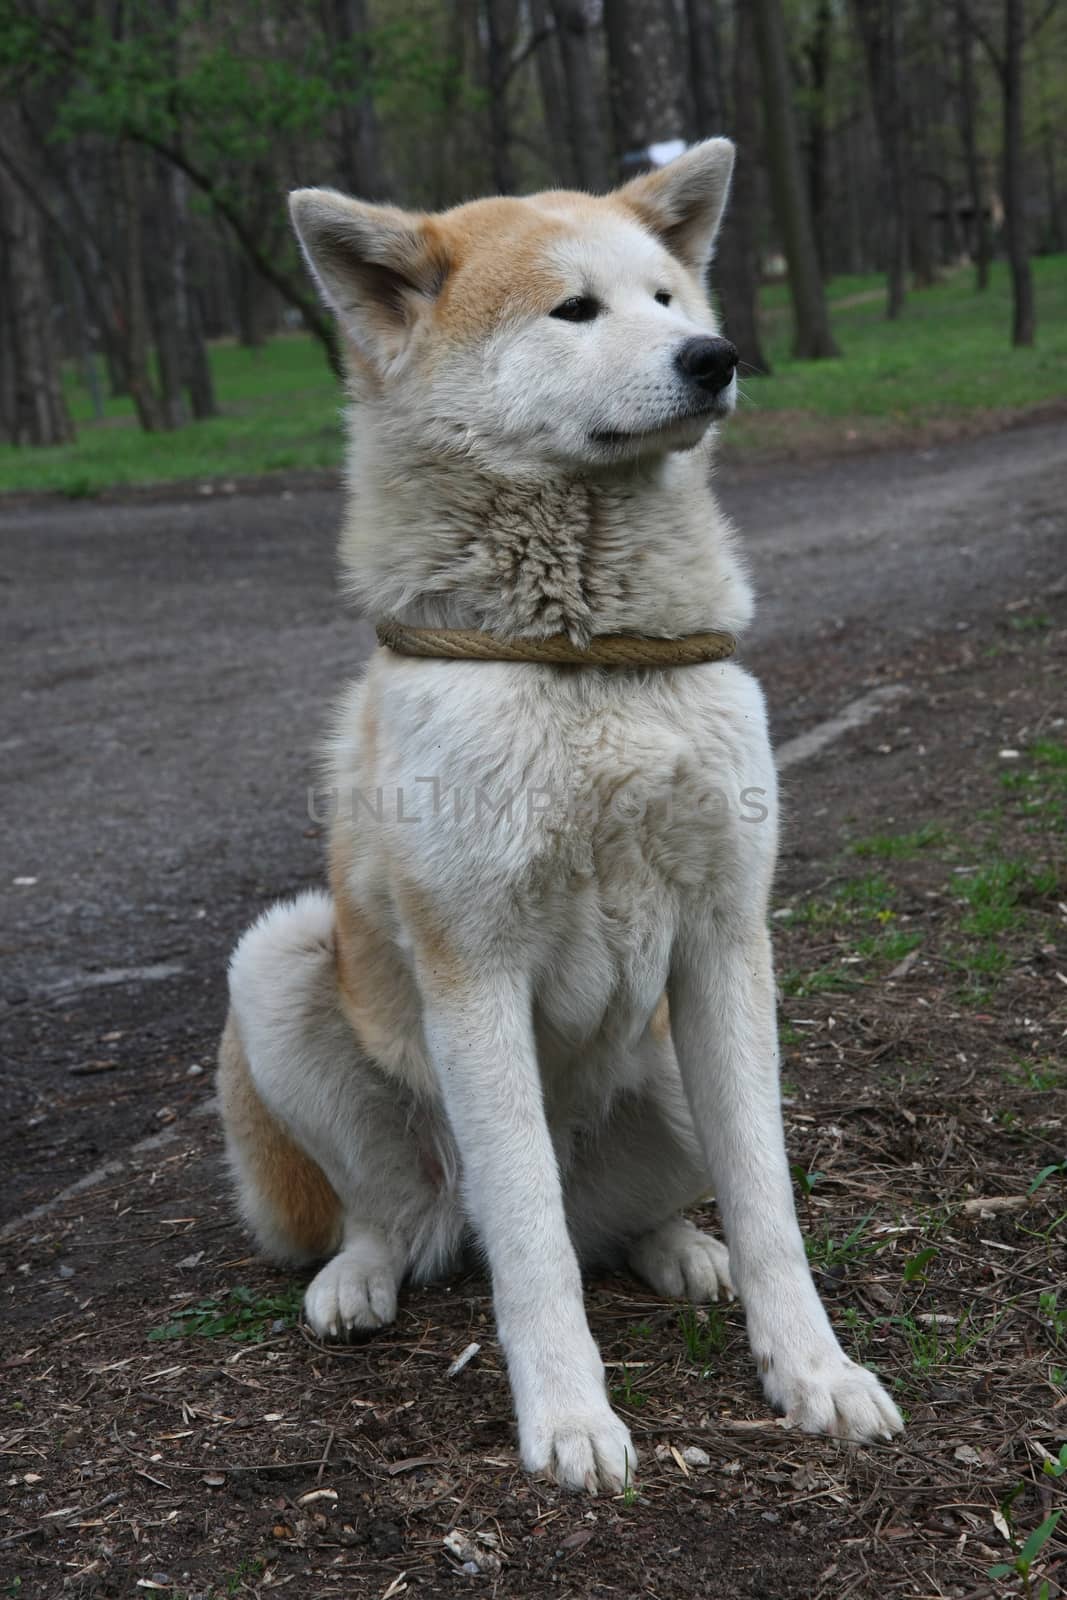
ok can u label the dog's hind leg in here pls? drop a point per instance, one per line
(330, 1156)
(629, 1179)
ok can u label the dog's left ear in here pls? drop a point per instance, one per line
(683, 202)
(377, 267)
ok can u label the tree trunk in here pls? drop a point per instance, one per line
(34, 404)
(550, 84)
(735, 270)
(196, 374)
(500, 21)
(1057, 233)
(706, 82)
(646, 86)
(165, 293)
(74, 295)
(1022, 287)
(360, 166)
(877, 24)
(981, 236)
(196, 363)
(917, 71)
(812, 335)
(584, 124)
(818, 52)
(150, 412)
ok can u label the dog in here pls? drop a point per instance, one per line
(536, 1011)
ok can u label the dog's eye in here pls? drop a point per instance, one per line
(579, 308)
(663, 298)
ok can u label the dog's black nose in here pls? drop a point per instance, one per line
(708, 362)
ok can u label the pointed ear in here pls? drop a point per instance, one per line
(376, 266)
(683, 202)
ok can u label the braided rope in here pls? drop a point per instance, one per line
(606, 650)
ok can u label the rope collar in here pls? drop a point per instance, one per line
(604, 650)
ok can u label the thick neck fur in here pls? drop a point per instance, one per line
(443, 543)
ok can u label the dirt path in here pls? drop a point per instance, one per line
(166, 666)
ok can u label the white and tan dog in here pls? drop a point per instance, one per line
(469, 1038)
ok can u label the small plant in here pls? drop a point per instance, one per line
(805, 1182)
(932, 1348)
(240, 1315)
(1024, 1555)
(703, 1333)
(629, 1492)
(827, 1252)
(899, 846)
(860, 1330)
(624, 1393)
(1046, 1173)
(802, 984)
(994, 894)
(915, 1267)
(1054, 1314)
(250, 1567)
(890, 945)
(1040, 1076)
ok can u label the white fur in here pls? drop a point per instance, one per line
(542, 852)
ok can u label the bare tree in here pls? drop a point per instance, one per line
(736, 269)
(878, 26)
(583, 97)
(32, 405)
(812, 337)
(553, 98)
(361, 166)
(707, 81)
(501, 25)
(981, 235)
(1007, 61)
(1011, 76)
(819, 48)
(647, 87)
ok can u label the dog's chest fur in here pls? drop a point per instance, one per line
(567, 811)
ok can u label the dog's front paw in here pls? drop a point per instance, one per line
(590, 1451)
(354, 1293)
(828, 1393)
(682, 1263)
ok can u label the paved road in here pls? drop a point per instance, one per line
(165, 667)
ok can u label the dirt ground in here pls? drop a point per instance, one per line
(168, 1426)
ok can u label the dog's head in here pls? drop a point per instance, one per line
(560, 329)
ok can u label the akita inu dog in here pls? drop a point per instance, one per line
(537, 1010)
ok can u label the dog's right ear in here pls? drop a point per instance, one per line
(378, 267)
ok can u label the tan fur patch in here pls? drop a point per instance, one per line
(366, 967)
(496, 250)
(293, 1189)
(441, 968)
(660, 1025)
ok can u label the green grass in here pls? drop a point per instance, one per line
(899, 846)
(1040, 786)
(948, 356)
(703, 1334)
(625, 1393)
(948, 353)
(280, 410)
(240, 1315)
